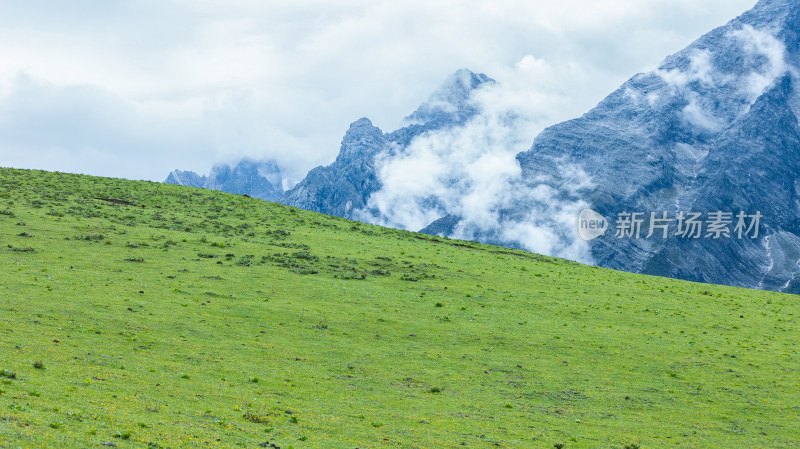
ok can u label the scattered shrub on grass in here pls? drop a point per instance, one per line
(253, 379)
(90, 237)
(255, 418)
(56, 425)
(124, 435)
(184, 376)
(631, 446)
(35, 394)
(6, 373)
(436, 390)
(21, 250)
(135, 259)
(38, 364)
(305, 255)
(301, 246)
(279, 233)
(438, 304)
(558, 445)
(245, 261)
(352, 275)
(293, 419)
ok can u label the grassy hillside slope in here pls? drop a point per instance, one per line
(143, 315)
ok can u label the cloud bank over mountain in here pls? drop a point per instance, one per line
(136, 89)
(470, 171)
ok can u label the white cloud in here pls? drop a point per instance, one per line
(471, 172)
(700, 70)
(761, 43)
(761, 61)
(695, 114)
(279, 78)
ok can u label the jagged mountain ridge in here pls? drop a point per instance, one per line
(344, 187)
(259, 179)
(714, 128)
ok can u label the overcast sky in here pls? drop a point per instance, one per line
(137, 88)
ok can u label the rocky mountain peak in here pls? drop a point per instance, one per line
(451, 101)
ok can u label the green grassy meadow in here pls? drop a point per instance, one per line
(144, 315)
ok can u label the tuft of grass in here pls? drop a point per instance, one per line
(123, 434)
(255, 418)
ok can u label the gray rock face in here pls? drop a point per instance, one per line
(185, 178)
(259, 179)
(715, 128)
(443, 226)
(346, 185)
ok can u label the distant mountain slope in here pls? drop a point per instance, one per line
(345, 186)
(259, 179)
(715, 128)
